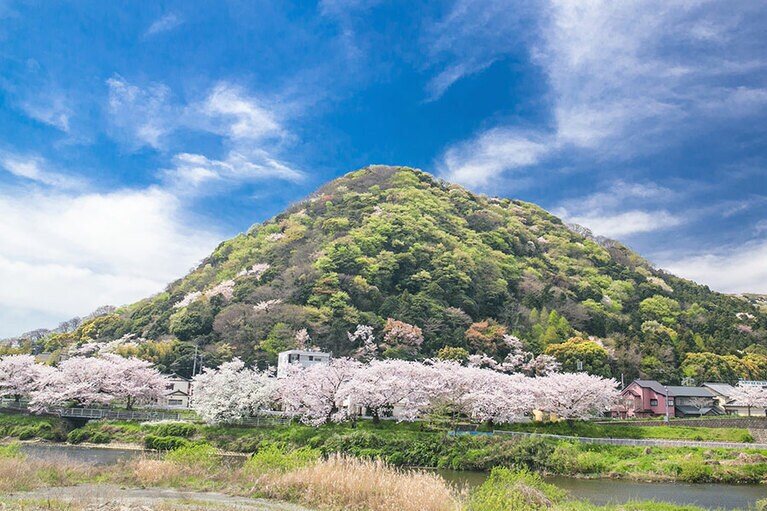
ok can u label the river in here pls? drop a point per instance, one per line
(598, 491)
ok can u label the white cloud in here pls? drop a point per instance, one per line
(623, 209)
(228, 110)
(34, 169)
(164, 24)
(737, 269)
(473, 35)
(250, 129)
(193, 173)
(52, 111)
(478, 162)
(141, 116)
(62, 255)
(626, 223)
(626, 78)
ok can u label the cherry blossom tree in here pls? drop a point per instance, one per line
(364, 337)
(84, 381)
(574, 395)
(382, 385)
(316, 393)
(135, 380)
(500, 398)
(750, 396)
(232, 392)
(20, 375)
(518, 360)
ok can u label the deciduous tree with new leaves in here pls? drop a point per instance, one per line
(402, 337)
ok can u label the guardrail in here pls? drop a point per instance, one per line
(637, 442)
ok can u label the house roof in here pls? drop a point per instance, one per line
(652, 385)
(681, 391)
(302, 352)
(177, 393)
(175, 376)
(723, 389)
(693, 410)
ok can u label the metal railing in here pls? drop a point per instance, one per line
(104, 413)
(637, 442)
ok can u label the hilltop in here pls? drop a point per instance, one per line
(458, 268)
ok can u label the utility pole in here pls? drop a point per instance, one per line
(665, 387)
(194, 362)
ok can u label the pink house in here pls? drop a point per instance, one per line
(645, 398)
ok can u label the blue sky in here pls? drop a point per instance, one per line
(135, 136)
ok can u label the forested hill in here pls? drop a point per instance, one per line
(456, 268)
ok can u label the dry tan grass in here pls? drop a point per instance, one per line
(24, 474)
(349, 483)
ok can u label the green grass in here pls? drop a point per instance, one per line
(594, 430)
(27, 427)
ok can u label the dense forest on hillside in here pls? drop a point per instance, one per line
(428, 265)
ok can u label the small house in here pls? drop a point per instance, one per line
(723, 394)
(178, 392)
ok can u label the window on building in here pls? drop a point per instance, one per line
(653, 402)
(175, 402)
(169, 386)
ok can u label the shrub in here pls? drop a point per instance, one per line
(180, 429)
(164, 443)
(100, 438)
(533, 453)
(24, 432)
(270, 457)
(77, 436)
(202, 455)
(694, 471)
(518, 490)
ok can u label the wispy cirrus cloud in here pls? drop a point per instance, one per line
(35, 168)
(626, 79)
(51, 110)
(472, 35)
(165, 23)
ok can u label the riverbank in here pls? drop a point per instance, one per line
(415, 445)
(195, 478)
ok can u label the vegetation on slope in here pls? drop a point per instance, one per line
(391, 242)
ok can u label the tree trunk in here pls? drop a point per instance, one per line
(376, 416)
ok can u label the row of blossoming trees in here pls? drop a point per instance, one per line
(343, 388)
(83, 381)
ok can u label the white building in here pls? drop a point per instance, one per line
(300, 357)
(178, 392)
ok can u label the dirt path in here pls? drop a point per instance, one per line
(93, 497)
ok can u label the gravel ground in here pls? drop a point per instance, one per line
(92, 497)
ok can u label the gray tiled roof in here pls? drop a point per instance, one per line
(680, 391)
(723, 389)
(652, 384)
(675, 390)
